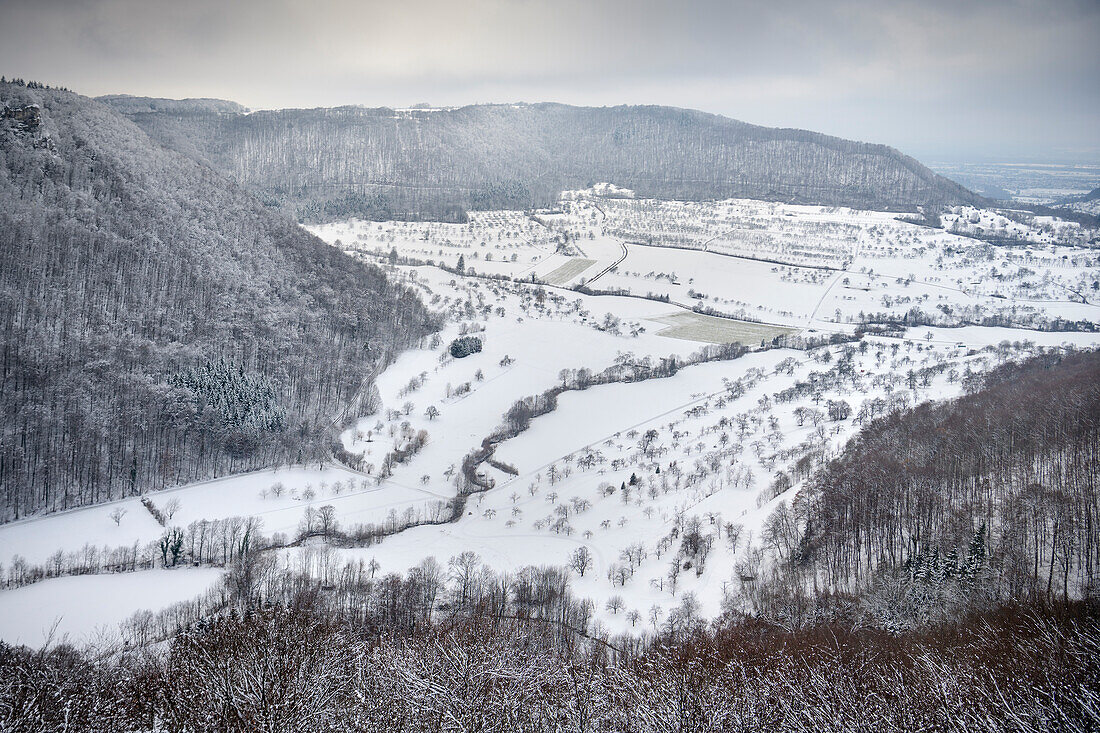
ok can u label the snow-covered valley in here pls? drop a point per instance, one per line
(613, 481)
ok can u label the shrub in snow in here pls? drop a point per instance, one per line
(464, 346)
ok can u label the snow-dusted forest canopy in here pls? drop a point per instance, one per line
(317, 669)
(160, 325)
(324, 164)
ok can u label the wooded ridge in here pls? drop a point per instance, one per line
(159, 324)
(325, 164)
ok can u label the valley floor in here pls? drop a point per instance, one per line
(619, 468)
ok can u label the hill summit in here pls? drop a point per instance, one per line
(324, 164)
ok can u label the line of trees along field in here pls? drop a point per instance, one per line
(326, 164)
(159, 325)
(1001, 483)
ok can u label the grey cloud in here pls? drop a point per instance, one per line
(1005, 77)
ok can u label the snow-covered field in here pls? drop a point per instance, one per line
(89, 608)
(711, 456)
(623, 470)
(237, 496)
(802, 266)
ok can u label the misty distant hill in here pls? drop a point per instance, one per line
(1093, 195)
(1073, 207)
(160, 325)
(322, 164)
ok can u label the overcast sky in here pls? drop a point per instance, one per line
(958, 80)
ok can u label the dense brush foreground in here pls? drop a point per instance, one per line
(300, 669)
(1006, 477)
(158, 324)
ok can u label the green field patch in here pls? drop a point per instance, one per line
(711, 329)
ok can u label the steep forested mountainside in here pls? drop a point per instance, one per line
(380, 163)
(1003, 482)
(160, 325)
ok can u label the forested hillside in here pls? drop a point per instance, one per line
(324, 164)
(995, 493)
(160, 325)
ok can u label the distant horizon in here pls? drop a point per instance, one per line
(938, 80)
